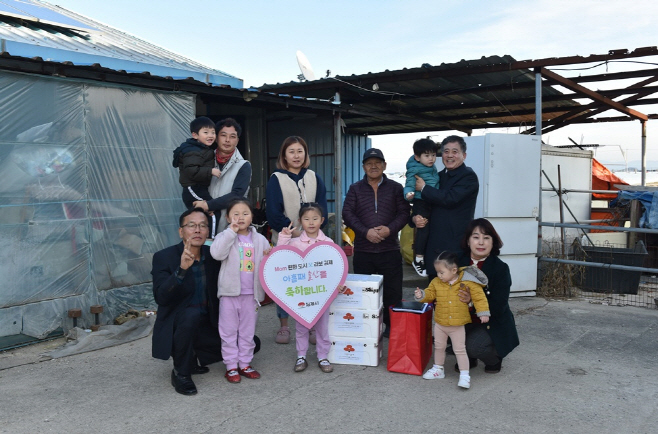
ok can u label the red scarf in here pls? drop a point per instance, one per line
(222, 159)
(479, 263)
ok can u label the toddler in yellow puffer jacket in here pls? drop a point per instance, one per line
(451, 314)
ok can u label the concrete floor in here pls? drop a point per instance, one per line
(580, 368)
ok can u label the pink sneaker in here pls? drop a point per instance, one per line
(283, 335)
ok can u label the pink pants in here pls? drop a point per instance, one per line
(457, 335)
(237, 326)
(323, 344)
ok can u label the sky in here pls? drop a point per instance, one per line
(257, 41)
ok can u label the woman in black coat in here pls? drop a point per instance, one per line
(493, 341)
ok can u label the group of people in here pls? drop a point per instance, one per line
(459, 255)
(207, 289)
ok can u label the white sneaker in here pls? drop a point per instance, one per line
(464, 381)
(434, 373)
(419, 266)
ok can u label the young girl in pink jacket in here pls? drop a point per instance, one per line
(240, 249)
(310, 217)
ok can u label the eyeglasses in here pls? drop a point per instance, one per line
(194, 226)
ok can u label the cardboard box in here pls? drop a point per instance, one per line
(365, 292)
(355, 351)
(356, 323)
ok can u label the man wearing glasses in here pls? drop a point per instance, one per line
(185, 289)
(376, 210)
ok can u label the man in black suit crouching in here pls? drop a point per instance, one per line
(185, 289)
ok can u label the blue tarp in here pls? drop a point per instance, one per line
(649, 200)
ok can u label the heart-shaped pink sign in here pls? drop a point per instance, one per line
(304, 283)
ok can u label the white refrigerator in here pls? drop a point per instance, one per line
(508, 167)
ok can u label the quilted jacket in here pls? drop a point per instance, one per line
(449, 311)
(361, 212)
(195, 162)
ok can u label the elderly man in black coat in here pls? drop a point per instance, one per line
(185, 289)
(453, 203)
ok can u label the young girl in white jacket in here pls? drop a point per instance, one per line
(310, 217)
(240, 249)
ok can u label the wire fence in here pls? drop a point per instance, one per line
(601, 272)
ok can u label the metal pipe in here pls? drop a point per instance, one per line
(559, 194)
(599, 227)
(538, 132)
(538, 102)
(338, 178)
(599, 265)
(568, 190)
(644, 153)
(568, 209)
(600, 220)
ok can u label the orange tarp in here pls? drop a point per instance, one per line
(604, 179)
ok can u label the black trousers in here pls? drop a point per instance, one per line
(195, 337)
(389, 265)
(479, 344)
(422, 208)
(199, 191)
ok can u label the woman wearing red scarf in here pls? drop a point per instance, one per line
(493, 341)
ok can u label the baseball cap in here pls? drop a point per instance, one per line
(373, 152)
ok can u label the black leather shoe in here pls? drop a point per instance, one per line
(472, 363)
(183, 385)
(494, 369)
(198, 370)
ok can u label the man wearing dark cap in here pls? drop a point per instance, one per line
(376, 210)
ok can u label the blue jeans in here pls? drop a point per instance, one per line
(280, 313)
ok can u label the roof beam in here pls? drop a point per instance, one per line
(639, 93)
(569, 118)
(592, 95)
(507, 86)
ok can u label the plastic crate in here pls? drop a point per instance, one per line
(609, 280)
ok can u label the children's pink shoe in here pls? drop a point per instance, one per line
(283, 335)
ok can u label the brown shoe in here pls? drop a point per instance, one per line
(301, 364)
(325, 366)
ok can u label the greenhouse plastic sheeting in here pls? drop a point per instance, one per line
(87, 196)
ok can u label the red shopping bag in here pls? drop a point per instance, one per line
(410, 341)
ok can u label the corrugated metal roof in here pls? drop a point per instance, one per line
(32, 28)
(431, 98)
(490, 92)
